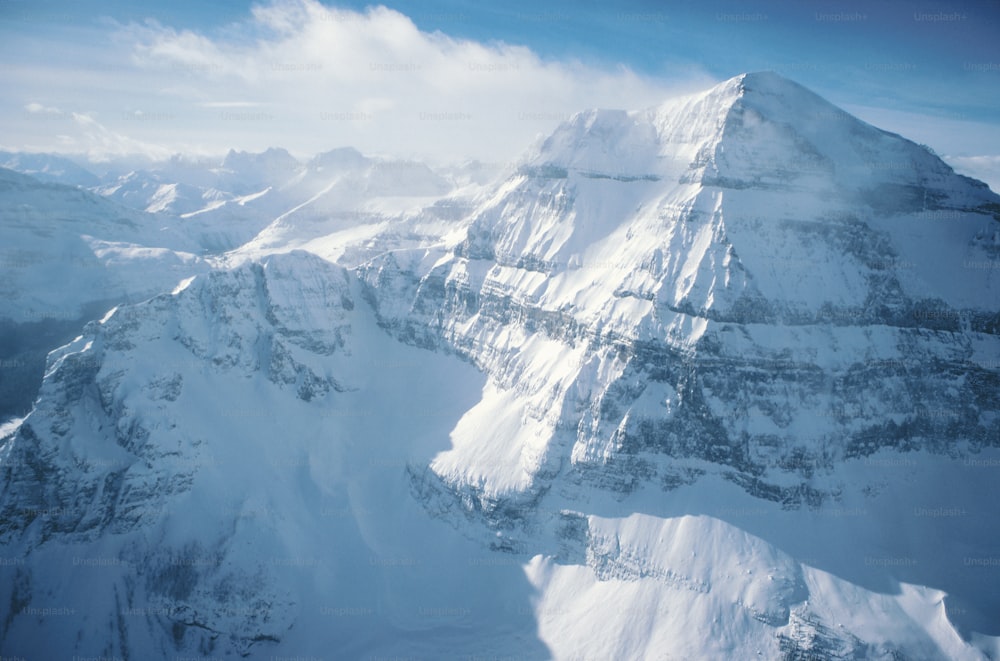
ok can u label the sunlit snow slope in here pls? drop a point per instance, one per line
(713, 380)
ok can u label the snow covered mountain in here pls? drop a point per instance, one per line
(747, 286)
(659, 251)
(282, 203)
(352, 207)
(150, 192)
(345, 190)
(716, 379)
(49, 168)
(111, 254)
(67, 255)
(242, 486)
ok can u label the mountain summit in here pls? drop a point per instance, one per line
(713, 379)
(753, 201)
(757, 130)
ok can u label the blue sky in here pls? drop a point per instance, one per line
(118, 76)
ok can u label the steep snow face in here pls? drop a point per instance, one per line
(719, 411)
(779, 134)
(56, 249)
(66, 256)
(244, 467)
(223, 471)
(605, 282)
(262, 325)
(746, 283)
(755, 197)
(696, 586)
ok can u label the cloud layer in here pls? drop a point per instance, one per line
(309, 78)
(300, 75)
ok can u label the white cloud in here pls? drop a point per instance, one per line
(299, 75)
(100, 143)
(309, 78)
(35, 108)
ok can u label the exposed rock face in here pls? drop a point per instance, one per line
(108, 457)
(735, 279)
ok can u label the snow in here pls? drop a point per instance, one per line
(9, 427)
(66, 250)
(182, 285)
(403, 411)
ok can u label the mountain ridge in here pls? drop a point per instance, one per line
(824, 295)
(655, 407)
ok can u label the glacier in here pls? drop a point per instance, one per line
(713, 379)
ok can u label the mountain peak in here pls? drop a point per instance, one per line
(339, 158)
(768, 80)
(236, 159)
(49, 167)
(681, 130)
(758, 130)
(772, 96)
(782, 97)
(761, 84)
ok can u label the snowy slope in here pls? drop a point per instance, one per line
(339, 200)
(223, 204)
(229, 469)
(239, 452)
(715, 379)
(61, 245)
(747, 284)
(349, 206)
(645, 279)
(51, 168)
(150, 192)
(67, 256)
